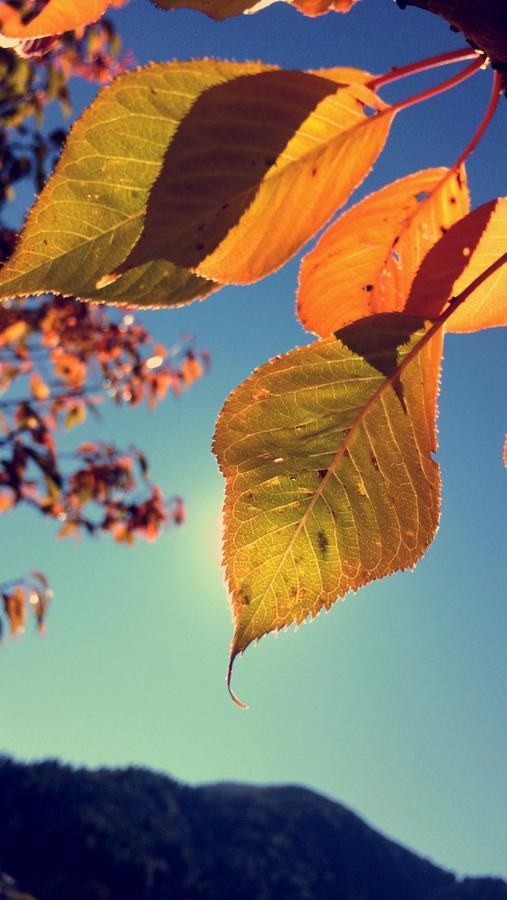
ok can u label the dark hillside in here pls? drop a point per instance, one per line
(136, 835)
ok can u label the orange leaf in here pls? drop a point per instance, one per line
(319, 7)
(366, 261)
(6, 501)
(38, 387)
(56, 17)
(241, 198)
(15, 610)
(13, 332)
(459, 257)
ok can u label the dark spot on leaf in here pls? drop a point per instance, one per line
(323, 543)
(245, 600)
(249, 495)
(374, 462)
(199, 246)
(453, 200)
(314, 171)
(367, 287)
(459, 179)
(293, 591)
(322, 473)
(443, 229)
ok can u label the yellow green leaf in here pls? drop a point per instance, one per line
(90, 213)
(221, 168)
(366, 261)
(330, 480)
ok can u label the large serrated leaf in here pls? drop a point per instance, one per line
(178, 159)
(90, 213)
(330, 480)
(256, 168)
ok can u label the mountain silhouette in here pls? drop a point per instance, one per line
(133, 834)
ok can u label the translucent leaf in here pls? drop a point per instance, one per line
(366, 261)
(330, 481)
(90, 213)
(463, 254)
(222, 168)
(257, 166)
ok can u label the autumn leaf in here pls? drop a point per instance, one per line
(223, 9)
(319, 7)
(366, 261)
(56, 17)
(456, 260)
(39, 389)
(241, 196)
(220, 191)
(90, 213)
(330, 480)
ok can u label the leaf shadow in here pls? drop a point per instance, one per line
(433, 284)
(220, 154)
(378, 339)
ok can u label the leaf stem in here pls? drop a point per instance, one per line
(488, 115)
(422, 65)
(440, 88)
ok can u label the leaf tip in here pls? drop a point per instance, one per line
(235, 699)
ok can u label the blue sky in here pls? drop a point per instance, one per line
(394, 703)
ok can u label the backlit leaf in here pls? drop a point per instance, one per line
(55, 18)
(90, 213)
(222, 168)
(460, 256)
(366, 261)
(257, 166)
(330, 481)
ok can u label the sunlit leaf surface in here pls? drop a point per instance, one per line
(224, 169)
(330, 480)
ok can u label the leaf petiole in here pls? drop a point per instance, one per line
(422, 65)
(443, 86)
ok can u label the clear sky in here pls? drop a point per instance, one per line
(396, 702)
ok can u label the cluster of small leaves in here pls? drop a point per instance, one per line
(59, 357)
(22, 594)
